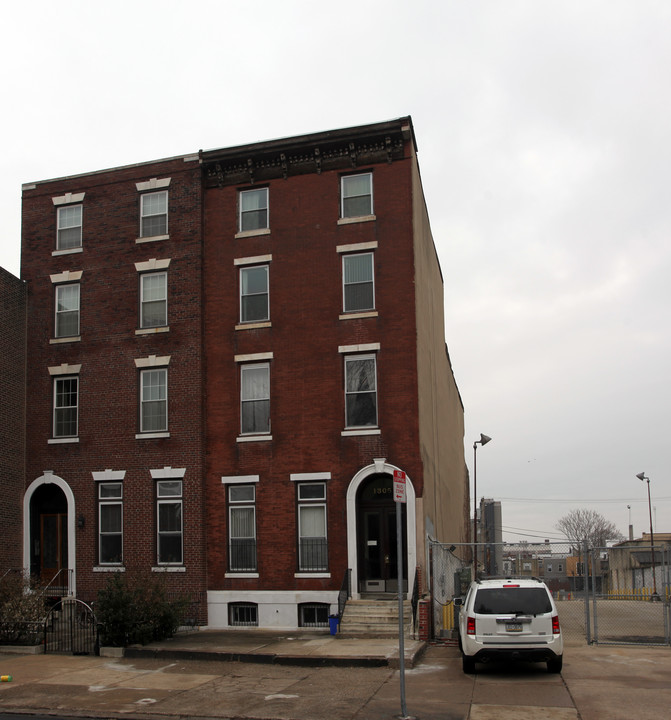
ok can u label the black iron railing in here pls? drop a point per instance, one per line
(21, 632)
(345, 592)
(60, 584)
(242, 555)
(415, 599)
(313, 555)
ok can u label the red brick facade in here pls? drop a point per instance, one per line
(306, 373)
(12, 413)
(273, 518)
(106, 348)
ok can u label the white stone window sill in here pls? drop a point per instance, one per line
(62, 441)
(253, 438)
(312, 575)
(152, 238)
(253, 326)
(69, 251)
(169, 569)
(350, 220)
(109, 568)
(153, 330)
(358, 315)
(252, 233)
(59, 341)
(361, 431)
(241, 575)
(151, 436)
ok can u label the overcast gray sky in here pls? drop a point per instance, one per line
(544, 143)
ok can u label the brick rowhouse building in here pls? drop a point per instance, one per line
(112, 262)
(229, 355)
(12, 414)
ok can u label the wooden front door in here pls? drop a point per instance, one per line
(53, 544)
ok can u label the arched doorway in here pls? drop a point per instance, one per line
(49, 531)
(377, 534)
(371, 532)
(49, 538)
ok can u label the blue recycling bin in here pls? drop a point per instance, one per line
(333, 624)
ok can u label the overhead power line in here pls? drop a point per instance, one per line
(611, 501)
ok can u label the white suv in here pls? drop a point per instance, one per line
(512, 619)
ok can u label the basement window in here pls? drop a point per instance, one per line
(243, 614)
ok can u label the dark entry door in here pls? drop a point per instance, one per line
(378, 558)
(53, 544)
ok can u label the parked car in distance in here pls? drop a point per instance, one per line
(509, 619)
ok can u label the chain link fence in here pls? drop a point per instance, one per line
(613, 595)
(633, 606)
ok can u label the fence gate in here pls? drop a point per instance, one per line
(71, 628)
(633, 607)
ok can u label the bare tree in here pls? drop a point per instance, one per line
(580, 525)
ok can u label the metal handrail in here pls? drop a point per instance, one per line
(345, 592)
(415, 599)
(67, 586)
(11, 570)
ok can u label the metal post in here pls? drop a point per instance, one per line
(475, 510)
(652, 549)
(595, 614)
(399, 576)
(588, 629)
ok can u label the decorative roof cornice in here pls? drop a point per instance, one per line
(336, 149)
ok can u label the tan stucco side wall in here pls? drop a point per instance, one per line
(444, 510)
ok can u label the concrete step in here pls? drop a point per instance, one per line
(374, 618)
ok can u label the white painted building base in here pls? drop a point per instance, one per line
(275, 610)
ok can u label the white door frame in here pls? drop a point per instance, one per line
(380, 465)
(49, 478)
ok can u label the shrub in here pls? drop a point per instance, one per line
(137, 609)
(22, 610)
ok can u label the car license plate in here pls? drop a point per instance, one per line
(513, 627)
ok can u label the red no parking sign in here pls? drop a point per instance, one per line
(399, 486)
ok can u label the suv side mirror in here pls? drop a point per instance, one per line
(457, 601)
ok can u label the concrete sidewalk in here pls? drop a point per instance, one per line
(288, 648)
(597, 683)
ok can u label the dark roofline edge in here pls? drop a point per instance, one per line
(328, 136)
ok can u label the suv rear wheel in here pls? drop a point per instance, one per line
(555, 665)
(468, 664)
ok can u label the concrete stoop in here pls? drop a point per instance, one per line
(374, 618)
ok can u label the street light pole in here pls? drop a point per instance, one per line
(642, 476)
(482, 441)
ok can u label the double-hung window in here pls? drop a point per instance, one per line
(67, 310)
(358, 285)
(356, 195)
(69, 231)
(254, 306)
(312, 546)
(242, 528)
(360, 391)
(154, 300)
(169, 522)
(154, 400)
(110, 523)
(255, 398)
(253, 209)
(66, 406)
(154, 214)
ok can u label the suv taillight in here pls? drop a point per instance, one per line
(555, 625)
(470, 626)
